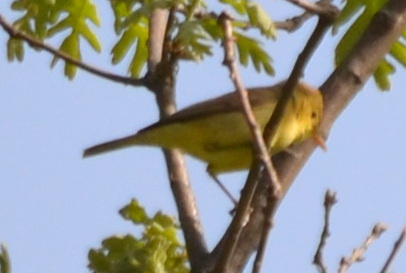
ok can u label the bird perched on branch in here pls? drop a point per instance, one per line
(216, 131)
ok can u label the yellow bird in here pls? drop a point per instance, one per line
(216, 131)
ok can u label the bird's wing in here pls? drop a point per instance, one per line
(224, 104)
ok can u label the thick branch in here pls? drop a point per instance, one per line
(384, 29)
(280, 109)
(231, 238)
(161, 80)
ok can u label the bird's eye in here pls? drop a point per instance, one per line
(314, 115)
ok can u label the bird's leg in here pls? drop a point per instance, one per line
(222, 187)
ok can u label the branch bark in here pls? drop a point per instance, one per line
(162, 67)
(338, 90)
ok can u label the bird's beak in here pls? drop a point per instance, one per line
(320, 141)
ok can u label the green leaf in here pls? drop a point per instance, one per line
(212, 28)
(249, 48)
(133, 34)
(260, 19)
(15, 50)
(381, 74)
(238, 5)
(134, 212)
(352, 35)
(140, 57)
(79, 12)
(367, 10)
(398, 51)
(131, 24)
(70, 46)
(5, 264)
(156, 250)
(191, 40)
(35, 13)
(43, 19)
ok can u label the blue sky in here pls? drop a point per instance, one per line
(54, 205)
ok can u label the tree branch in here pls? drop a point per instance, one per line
(231, 238)
(296, 22)
(330, 199)
(161, 80)
(16, 34)
(322, 8)
(357, 253)
(293, 23)
(156, 37)
(280, 109)
(384, 29)
(394, 251)
(260, 149)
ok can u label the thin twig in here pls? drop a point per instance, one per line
(322, 8)
(297, 72)
(338, 92)
(267, 226)
(260, 148)
(293, 23)
(162, 82)
(288, 25)
(280, 109)
(357, 253)
(395, 251)
(330, 199)
(296, 22)
(16, 34)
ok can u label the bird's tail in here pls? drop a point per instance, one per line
(110, 146)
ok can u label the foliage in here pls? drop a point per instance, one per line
(43, 19)
(4, 260)
(350, 38)
(156, 250)
(191, 35)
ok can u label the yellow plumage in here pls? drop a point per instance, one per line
(216, 132)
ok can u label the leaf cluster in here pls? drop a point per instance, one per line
(156, 250)
(192, 34)
(367, 10)
(43, 19)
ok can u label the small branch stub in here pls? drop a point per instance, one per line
(330, 199)
(357, 253)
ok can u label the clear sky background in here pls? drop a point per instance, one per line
(55, 206)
